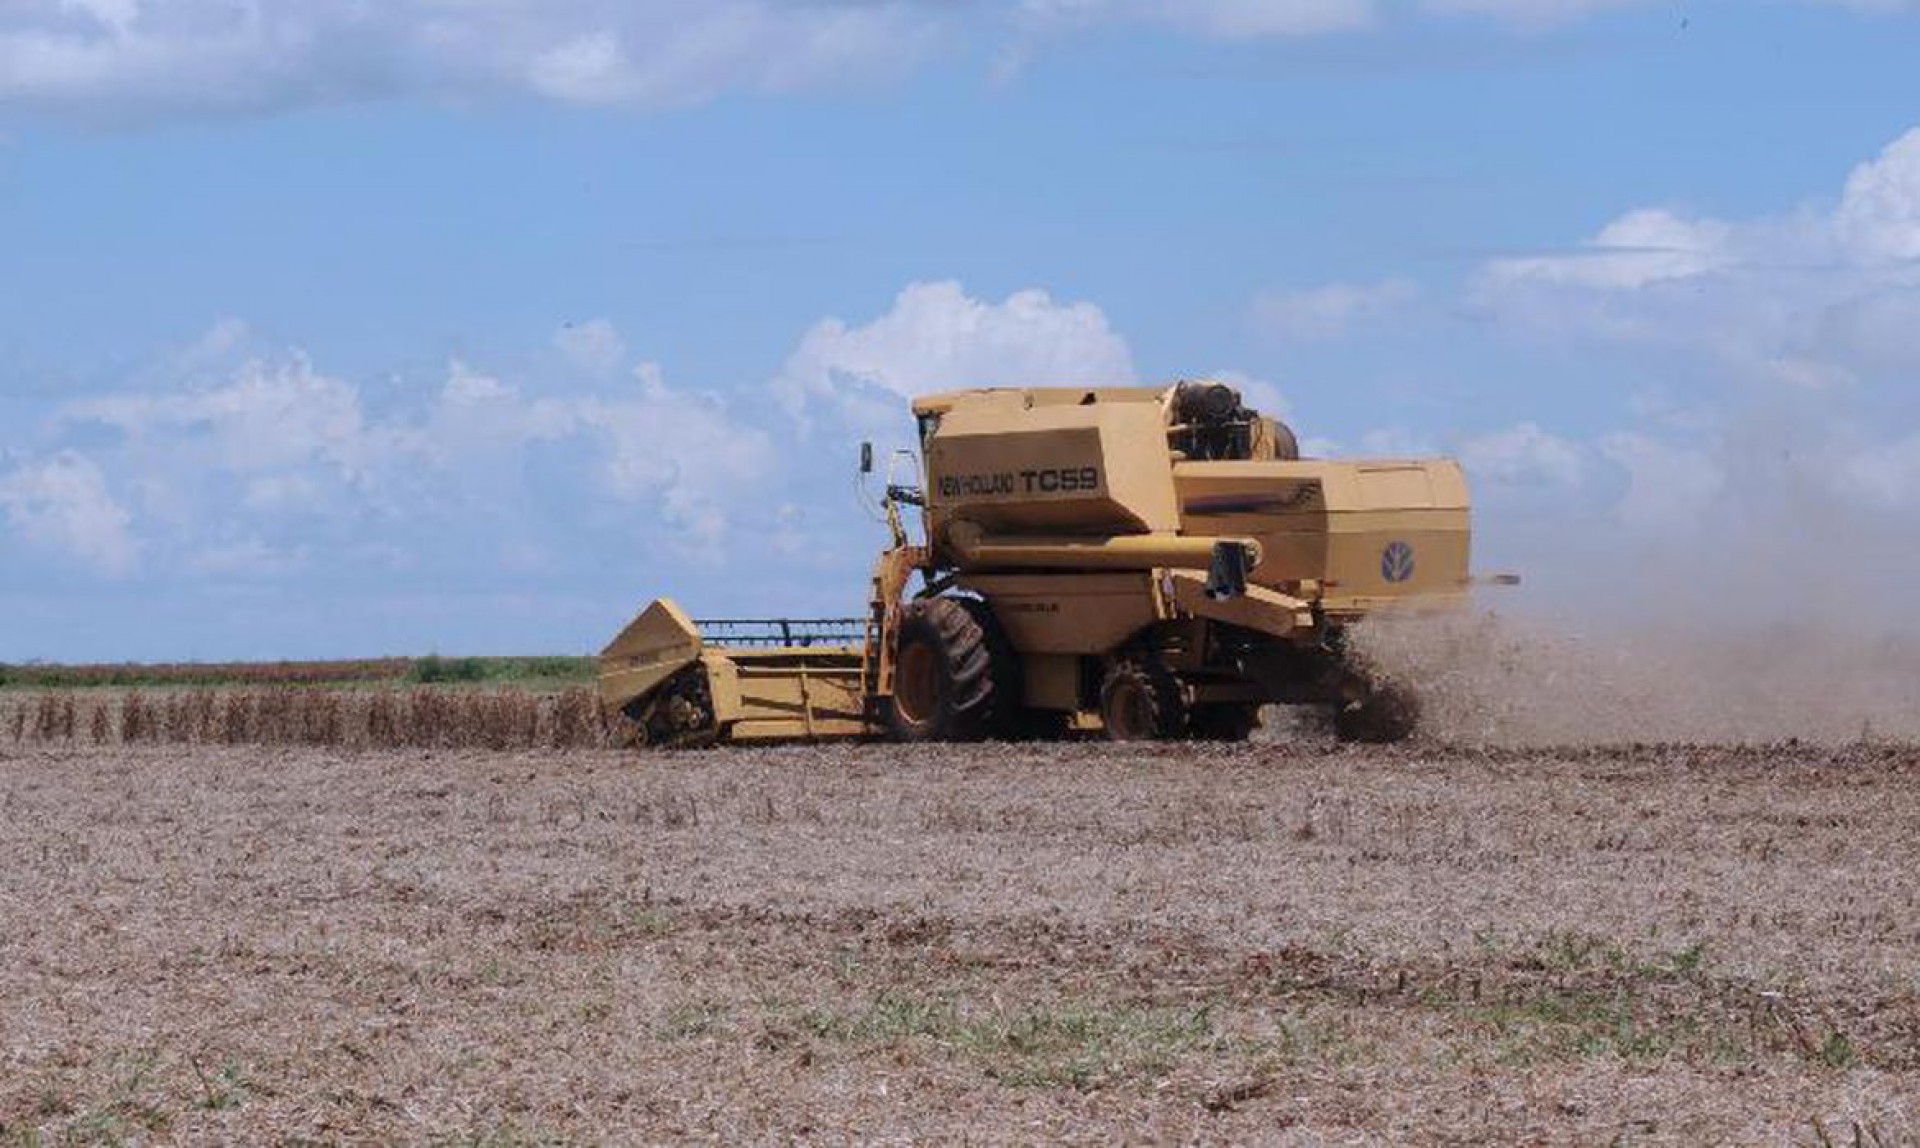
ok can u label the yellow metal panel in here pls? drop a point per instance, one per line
(1291, 556)
(1099, 466)
(654, 646)
(723, 685)
(1069, 613)
(1395, 486)
(1400, 558)
(814, 689)
(797, 729)
(1052, 681)
(1347, 525)
(1309, 485)
(1024, 398)
(1258, 609)
(1104, 552)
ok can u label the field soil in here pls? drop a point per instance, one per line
(1291, 943)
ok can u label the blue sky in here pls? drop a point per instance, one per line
(340, 329)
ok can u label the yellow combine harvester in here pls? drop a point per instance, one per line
(1156, 563)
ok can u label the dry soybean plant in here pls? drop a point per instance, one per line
(371, 719)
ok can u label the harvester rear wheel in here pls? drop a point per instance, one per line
(1140, 703)
(949, 682)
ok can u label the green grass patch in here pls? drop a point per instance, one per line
(1072, 1044)
(1567, 1026)
(126, 1115)
(435, 670)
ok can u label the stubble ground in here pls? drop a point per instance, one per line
(1291, 943)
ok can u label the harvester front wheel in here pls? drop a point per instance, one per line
(946, 685)
(1140, 703)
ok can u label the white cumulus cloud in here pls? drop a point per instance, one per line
(254, 461)
(270, 415)
(233, 459)
(595, 345)
(1817, 296)
(684, 447)
(1226, 19)
(150, 57)
(1879, 215)
(1534, 14)
(1530, 12)
(937, 337)
(63, 506)
(1648, 246)
(1524, 456)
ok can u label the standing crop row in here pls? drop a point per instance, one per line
(374, 719)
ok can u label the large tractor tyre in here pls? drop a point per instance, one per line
(1013, 719)
(946, 683)
(1008, 710)
(1387, 714)
(1224, 721)
(1141, 703)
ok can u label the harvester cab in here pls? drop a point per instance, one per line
(1150, 562)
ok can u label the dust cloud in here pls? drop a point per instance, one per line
(1776, 601)
(1495, 680)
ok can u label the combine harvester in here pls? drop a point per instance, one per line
(1154, 563)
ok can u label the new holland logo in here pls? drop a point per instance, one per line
(1396, 562)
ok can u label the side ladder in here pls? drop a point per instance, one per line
(885, 596)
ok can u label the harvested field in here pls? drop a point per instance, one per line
(1290, 944)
